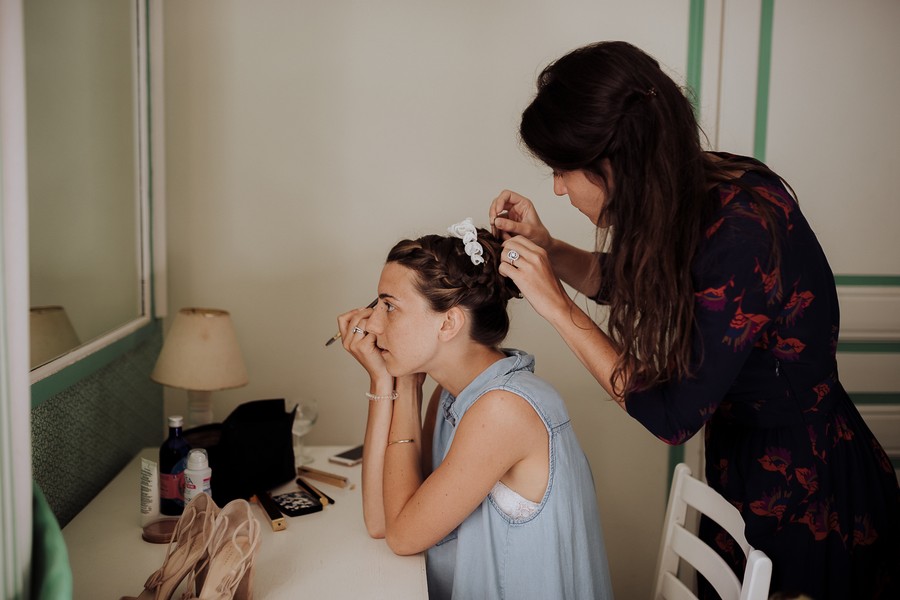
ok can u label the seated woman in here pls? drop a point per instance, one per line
(494, 485)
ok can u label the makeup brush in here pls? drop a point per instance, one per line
(337, 336)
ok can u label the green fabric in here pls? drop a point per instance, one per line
(51, 575)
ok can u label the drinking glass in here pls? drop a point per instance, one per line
(304, 419)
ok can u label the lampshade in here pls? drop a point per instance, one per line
(52, 334)
(201, 352)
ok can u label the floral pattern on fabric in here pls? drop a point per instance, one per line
(784, 442)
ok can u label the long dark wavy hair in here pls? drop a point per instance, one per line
(446, 277)
(610, 100)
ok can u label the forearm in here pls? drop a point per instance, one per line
(590, 345)
(402, 454)
(377, 431)
(576, 267)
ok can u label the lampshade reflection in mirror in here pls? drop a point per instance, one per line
(200, 354)
(52, 334)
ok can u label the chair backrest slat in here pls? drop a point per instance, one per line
(680, 545)
(674, 589)
(697, 495)
(708, 563)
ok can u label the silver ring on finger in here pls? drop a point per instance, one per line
(513, 256)
(358, 330)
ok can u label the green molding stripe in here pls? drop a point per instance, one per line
(869, 347)
(695, 52)
(66, 378)
(875, 397)
(676, 455)
(868, 280)
(694, 76)
(763, 74)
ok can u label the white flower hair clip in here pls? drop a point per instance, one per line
(466, 231)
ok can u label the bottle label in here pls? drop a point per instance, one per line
(171, 486)
(196, 483)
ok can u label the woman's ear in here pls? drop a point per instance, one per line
(454, 322)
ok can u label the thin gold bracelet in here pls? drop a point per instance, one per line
(376, 397)
(409, 441)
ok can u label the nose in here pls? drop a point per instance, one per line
(559, 188)
(373, 325)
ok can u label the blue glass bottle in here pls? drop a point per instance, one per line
(172, 462)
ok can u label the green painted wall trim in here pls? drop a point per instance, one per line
(694, 73)
(868, 280)
(72, 374)
(763, 74)
(875, 398)
(694, 76)
(873, 347)
(676, 455)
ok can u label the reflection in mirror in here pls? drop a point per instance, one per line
(52, 334)
(82, 73)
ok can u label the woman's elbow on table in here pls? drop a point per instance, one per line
(401, 544)
(374, 520)
(375, 531)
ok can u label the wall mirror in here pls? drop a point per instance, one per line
(87, 156)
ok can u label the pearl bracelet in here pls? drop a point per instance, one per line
(376, 397)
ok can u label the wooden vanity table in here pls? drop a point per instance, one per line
(326, 555)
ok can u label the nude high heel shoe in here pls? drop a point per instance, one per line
(231, 554)
(186, 549)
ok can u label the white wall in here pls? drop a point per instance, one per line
(833, 125)
(304, 138)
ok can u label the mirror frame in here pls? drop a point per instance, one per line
(145, 25)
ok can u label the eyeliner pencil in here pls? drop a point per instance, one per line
(337, 336)
(323, 500)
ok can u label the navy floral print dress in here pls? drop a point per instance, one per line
(784, 442)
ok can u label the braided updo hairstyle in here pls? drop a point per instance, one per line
(446, 277)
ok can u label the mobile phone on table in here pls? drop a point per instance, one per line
(350, 457)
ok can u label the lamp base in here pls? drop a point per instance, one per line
(199, 408)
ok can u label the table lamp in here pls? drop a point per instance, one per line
(200, 354)
(51, 333)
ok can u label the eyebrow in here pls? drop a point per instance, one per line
(385, 296)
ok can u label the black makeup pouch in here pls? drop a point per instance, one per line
(250, 451)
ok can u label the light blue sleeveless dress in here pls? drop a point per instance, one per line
(555, 553)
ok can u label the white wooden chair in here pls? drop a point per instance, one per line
(679, 545)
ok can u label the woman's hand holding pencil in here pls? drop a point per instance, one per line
(337, 336)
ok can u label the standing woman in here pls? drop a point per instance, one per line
(722, 312)
(494, 485)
